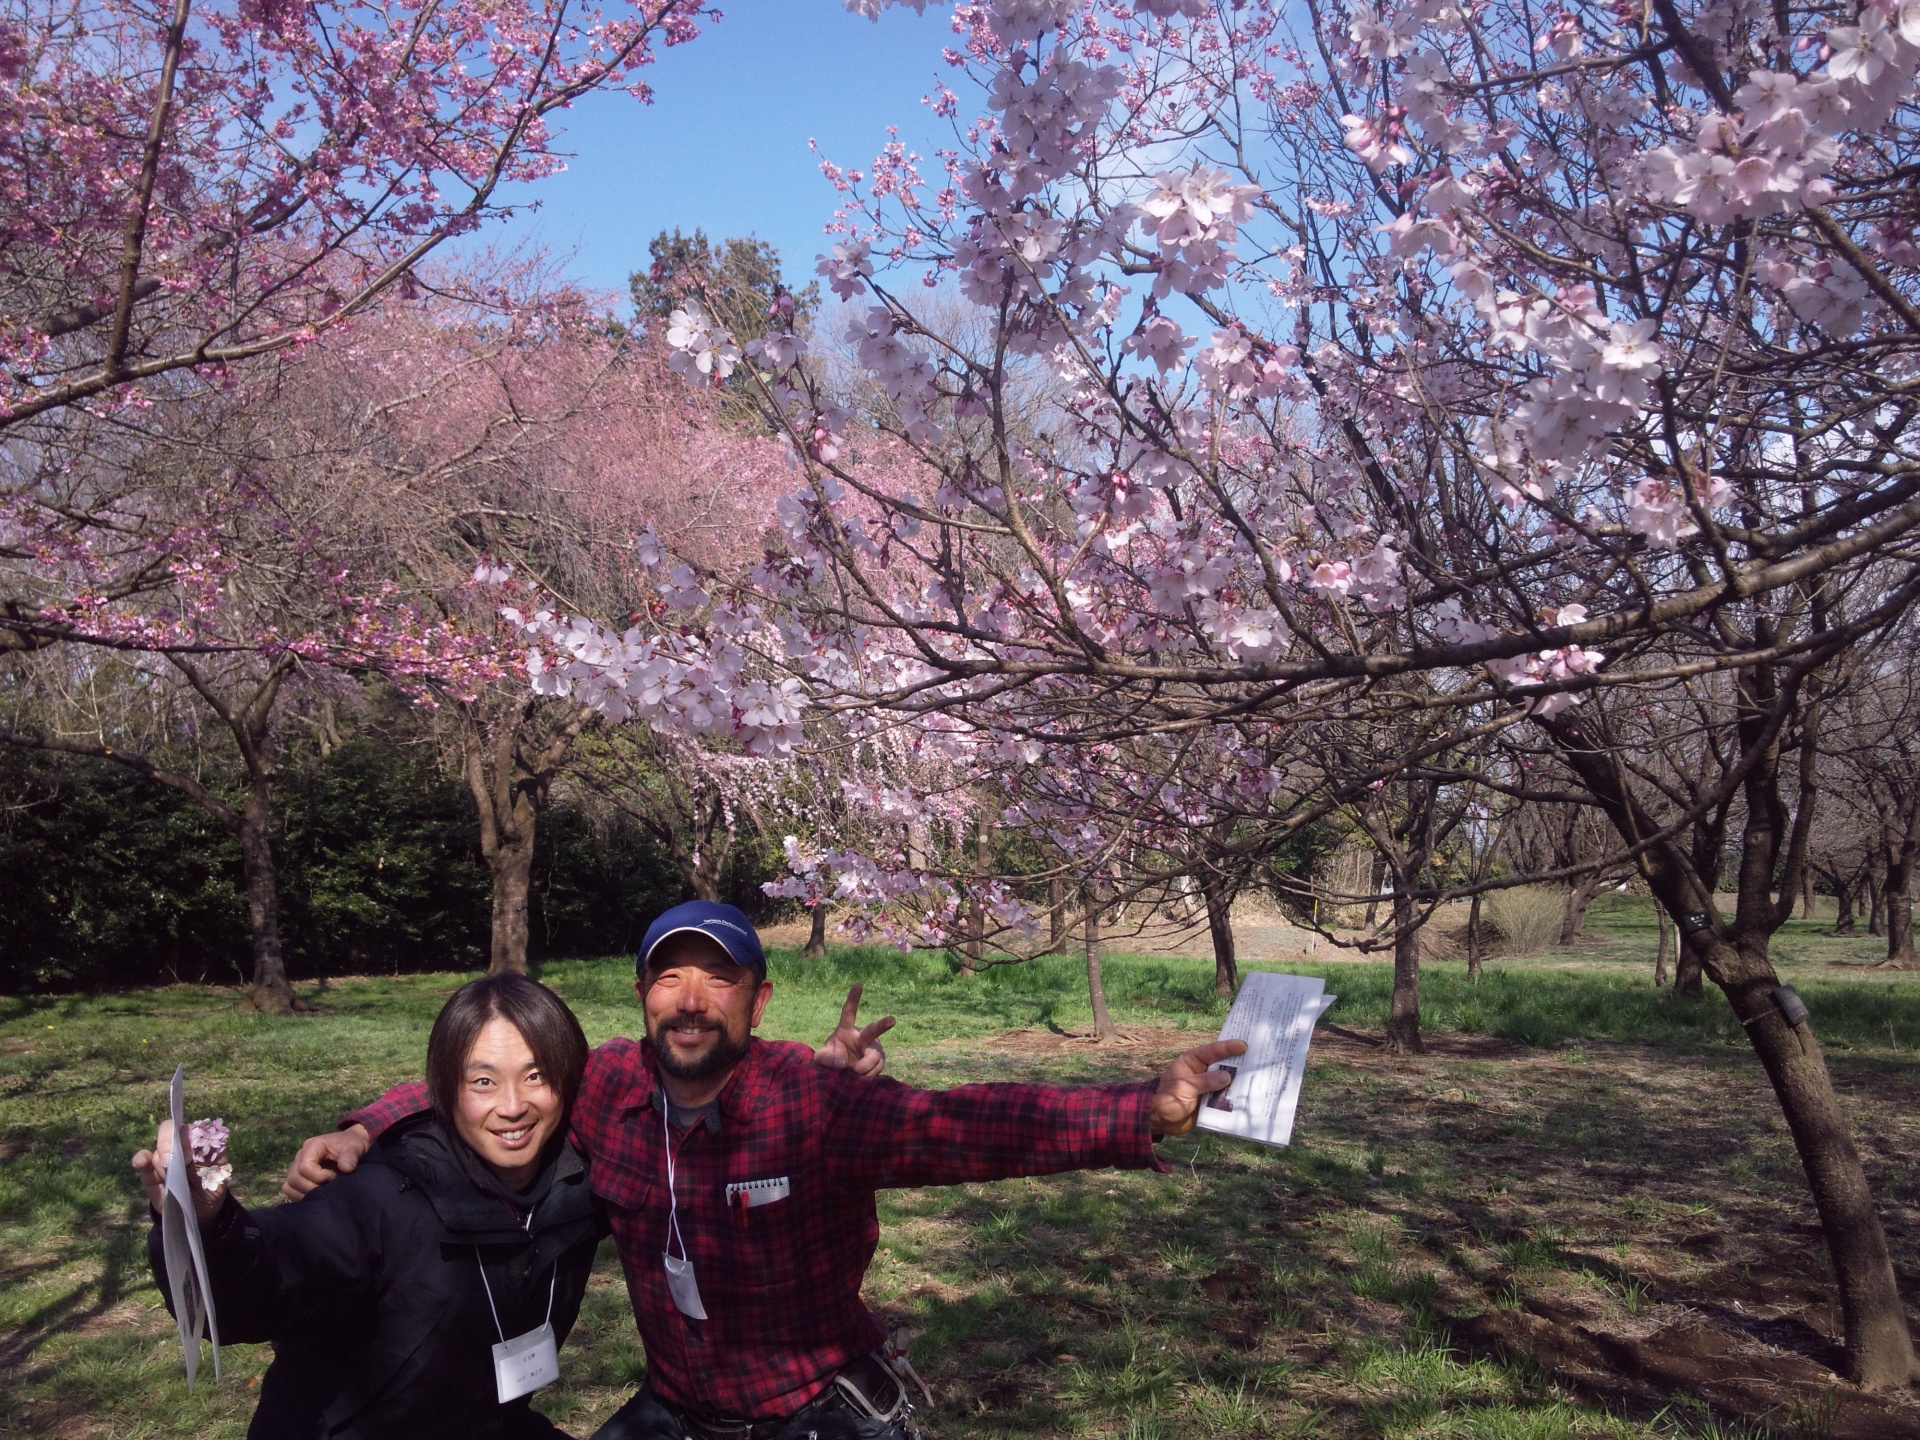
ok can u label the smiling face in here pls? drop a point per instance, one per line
(701, 1010)
(507, 1110)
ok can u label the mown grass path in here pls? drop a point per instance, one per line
(1579, 1216)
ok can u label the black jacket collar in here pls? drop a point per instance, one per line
(474, 1206)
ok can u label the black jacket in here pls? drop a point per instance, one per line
(370, 1290)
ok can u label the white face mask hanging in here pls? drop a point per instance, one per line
(526, 1362)
(680, 1281)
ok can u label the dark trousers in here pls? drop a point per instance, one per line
(645, 1418)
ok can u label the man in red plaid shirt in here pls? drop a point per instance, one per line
(739, 1181)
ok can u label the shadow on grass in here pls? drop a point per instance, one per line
(1340, 1287)
(124, 1250)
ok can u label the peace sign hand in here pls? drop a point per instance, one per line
(852, 1046)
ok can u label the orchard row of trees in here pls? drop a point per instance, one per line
(1482, 432)
(1399, 417)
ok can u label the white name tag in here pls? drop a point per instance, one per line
(750, 1193)
(680, 1285)
(525, 1363)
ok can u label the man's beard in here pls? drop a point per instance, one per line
(724, 1054)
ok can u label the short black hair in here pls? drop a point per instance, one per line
(552, 1033)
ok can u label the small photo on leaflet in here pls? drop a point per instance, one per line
(1218, 1100)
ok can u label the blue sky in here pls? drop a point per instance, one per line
(723, 147)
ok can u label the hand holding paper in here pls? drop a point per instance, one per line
(182, 1196)
(1187, 1082)
(209, 1194)
(1274, 1015)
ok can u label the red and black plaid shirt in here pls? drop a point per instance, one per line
(780, 1282)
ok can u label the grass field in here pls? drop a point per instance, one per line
(1580, 1216)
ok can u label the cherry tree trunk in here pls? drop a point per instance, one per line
(1473, 937)
(1103, 1025)
(1666, 941)
(1876, 905)
(1573, 922)
(1843, 898)
(1226, 970)
(817, 934)
(270, 989)
(1689, 978)
(1056, 913)
(511, 865)
(975, 949)
(509, 774)
(1879, 1345)
(1403, 1015)
(1898, 900)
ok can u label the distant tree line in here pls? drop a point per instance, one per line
(108, 880)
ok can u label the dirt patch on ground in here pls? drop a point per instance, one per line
(1343, 1043)
(1151, 1042)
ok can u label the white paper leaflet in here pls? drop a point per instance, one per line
(180, 1238)
(1275, 1015)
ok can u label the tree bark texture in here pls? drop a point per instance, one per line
(1473, 937)
(1879, 1346)
(1103, 1025)
(511, 868)
(1898, 900)
(817, 933)
(1226, 969)
(1056, 913)
(510, 769)
(1666, 942)
(271, 990)
(1689, 975)
(1573, 922)
(1403, 1014)
(1844, 892)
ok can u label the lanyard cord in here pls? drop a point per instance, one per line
(552, 1285)
(673, 1204)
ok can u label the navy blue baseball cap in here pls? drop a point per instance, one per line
(725, 925)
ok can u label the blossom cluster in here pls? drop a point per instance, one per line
(1443, 352)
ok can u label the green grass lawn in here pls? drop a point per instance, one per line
(1564, 1152)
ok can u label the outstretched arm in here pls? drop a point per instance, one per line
(884, 1134)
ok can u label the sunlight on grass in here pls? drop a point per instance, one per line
(1251, 1292)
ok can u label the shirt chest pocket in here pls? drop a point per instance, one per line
(621, 1187)
(763, 1230)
